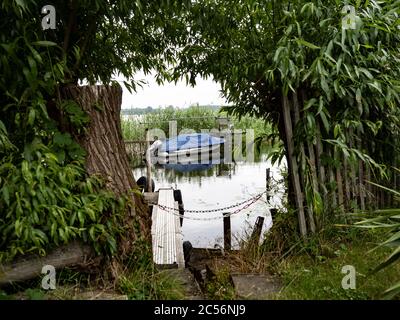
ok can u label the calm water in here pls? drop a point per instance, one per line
(216, 187)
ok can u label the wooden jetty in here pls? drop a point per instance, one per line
(167, 238)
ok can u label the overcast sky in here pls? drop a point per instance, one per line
(206, 92)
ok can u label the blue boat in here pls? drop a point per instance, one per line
(186, 148)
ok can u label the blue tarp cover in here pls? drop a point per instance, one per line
(190, 141)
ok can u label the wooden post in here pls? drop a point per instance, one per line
(148, 162)
(293, 165)
(321, 169)
(268, 182)
(346, 183)
(339, 182)
(361, 185)
(227, 231)
(256, 234)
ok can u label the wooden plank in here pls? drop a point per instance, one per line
(150, 198)
(166, 233)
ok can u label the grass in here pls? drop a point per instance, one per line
(195, 118)
(305, 277)
(220, 287)
(146, 283)
(313, 271)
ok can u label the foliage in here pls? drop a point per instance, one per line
(220, 287)
(141, 280)
(344, 81)
(46, 198)
(388, 220)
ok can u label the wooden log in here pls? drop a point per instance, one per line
(30, 267)
(293, 165)
(227, 232)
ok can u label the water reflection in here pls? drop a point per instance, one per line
(211, 186)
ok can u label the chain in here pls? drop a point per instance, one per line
(250, 202)
(258, 196)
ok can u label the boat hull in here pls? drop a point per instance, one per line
(202, 155)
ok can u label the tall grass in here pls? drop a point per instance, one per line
(195, 118)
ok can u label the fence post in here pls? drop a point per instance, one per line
(227, 231)
(268, 182)
(148, 163)
(256, 234)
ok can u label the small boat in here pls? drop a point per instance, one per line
(186, 148)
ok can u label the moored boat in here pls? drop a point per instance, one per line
(186, 148)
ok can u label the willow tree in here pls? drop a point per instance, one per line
(64, 173)
(326, 75)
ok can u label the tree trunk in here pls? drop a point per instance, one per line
(302, 171)
(106, 154)
(293, 166)
(29, 267)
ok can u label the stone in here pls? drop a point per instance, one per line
(255, 286)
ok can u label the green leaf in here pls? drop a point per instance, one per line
(62, 139)
(358, 95)
(309, 104)
(307, 44)
(6, 195)
(44, 43)
(325, 87)
(31, 116)
(3, 127)
(325, 121)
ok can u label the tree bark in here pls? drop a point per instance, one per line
(106, 154)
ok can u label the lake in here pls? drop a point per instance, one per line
(216, 187)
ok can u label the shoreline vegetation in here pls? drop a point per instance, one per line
(195, 117)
